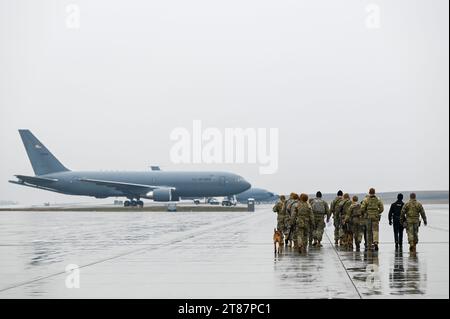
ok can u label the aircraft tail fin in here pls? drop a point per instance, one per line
(42, 161)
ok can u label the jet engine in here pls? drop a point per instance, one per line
(162, 195)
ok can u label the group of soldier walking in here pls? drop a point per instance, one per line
(302, 220)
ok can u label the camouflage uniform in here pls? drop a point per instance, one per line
(356, 221)
(287, 208)
(320, 210)
(336, 221)
(344, 230)
(371, 208)
(311, 234)
(281, 215)
(302, 217)
(364, 224)
(311, 229)
(411, 213)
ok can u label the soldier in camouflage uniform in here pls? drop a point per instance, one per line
(344, 231)
(281, 214)
(301, 220)
(334, 212)
(289, 239)
(311, 228)
(364, 226)
(354, 218)
(411, 213)
(320, 210)
(371, 208)
(311, 224)
(286, 216)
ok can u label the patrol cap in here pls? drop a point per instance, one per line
(347, 196)
(372, 191)
(412, 195)
(355, 198)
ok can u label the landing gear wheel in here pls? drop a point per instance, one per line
(133, 203)
(127, 203)
(140, 203)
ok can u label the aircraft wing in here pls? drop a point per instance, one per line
(35, 180)
(140, 189)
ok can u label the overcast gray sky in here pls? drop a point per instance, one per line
(355, 106)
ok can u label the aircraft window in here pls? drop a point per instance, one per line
(202, 180)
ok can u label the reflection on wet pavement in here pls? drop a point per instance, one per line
(207, 255)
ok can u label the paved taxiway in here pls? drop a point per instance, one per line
(207, 255)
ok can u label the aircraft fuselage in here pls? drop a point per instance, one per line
(185, 184)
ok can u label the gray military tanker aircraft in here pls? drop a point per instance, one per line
(161, 186)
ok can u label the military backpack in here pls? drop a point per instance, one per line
(372, 205)
(318, 206)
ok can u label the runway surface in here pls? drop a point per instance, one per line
(206, 255)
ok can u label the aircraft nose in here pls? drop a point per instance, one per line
(245, 185)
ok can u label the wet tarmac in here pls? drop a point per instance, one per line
(206, 255)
